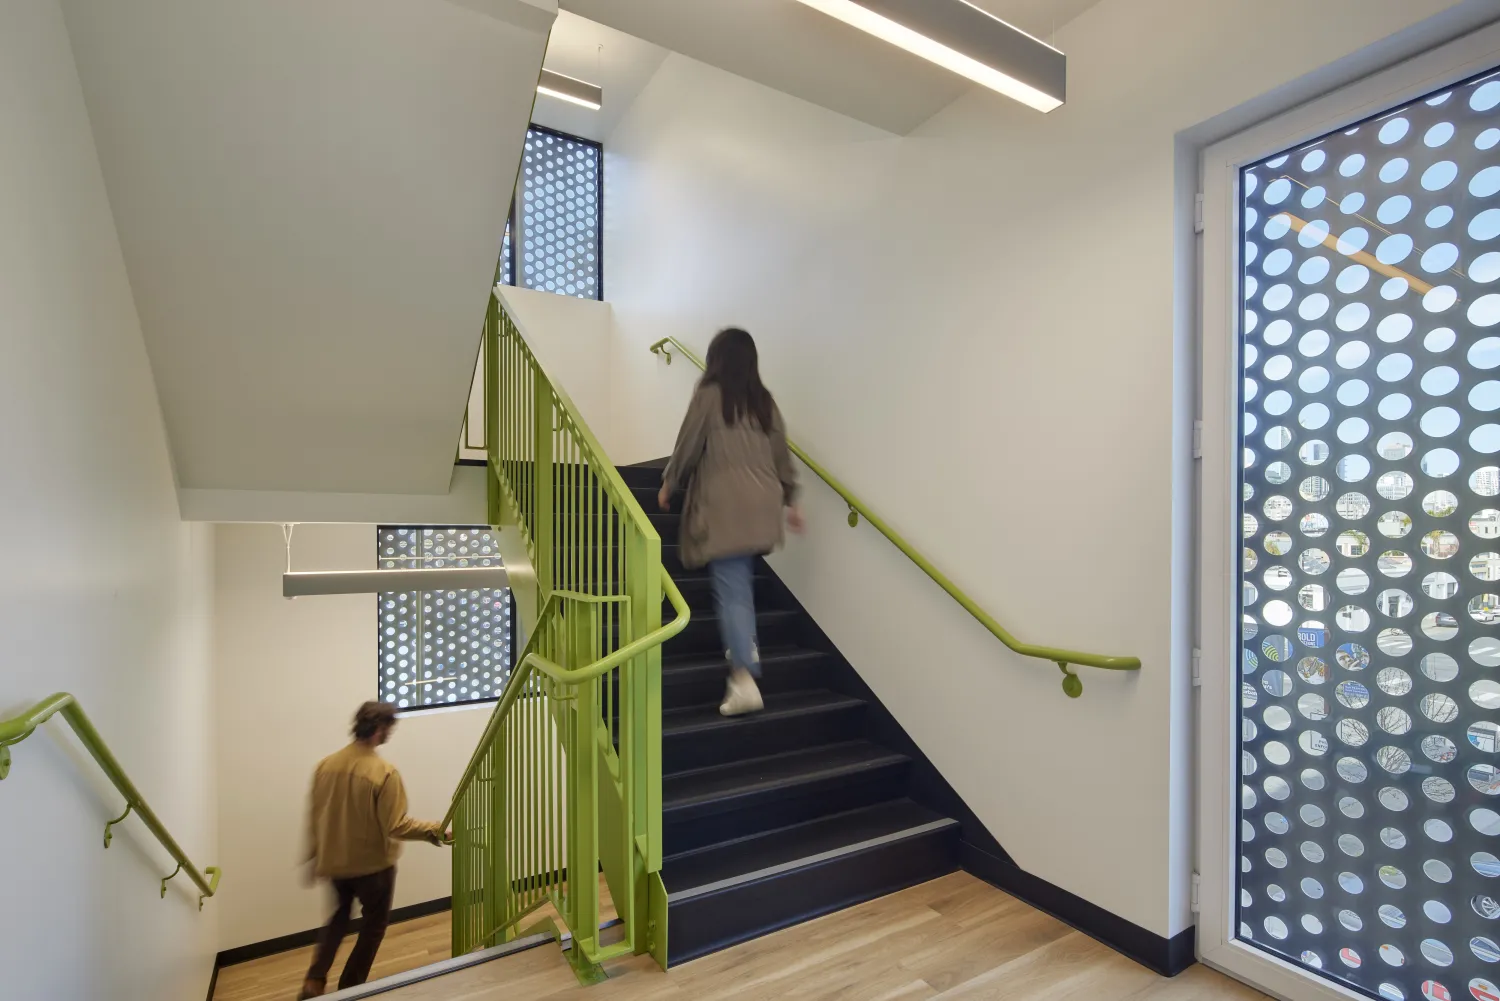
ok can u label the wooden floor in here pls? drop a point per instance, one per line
(953, 938)
(407, 946)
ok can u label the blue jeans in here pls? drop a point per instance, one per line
(734, 598)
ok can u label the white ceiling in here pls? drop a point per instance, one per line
(789, 46)
(310, 198)
(619, 63)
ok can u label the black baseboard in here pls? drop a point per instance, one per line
(298, 940)
(213, 981)
(471, 462)
(1167, 957)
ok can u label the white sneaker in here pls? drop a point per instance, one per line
(741, 695)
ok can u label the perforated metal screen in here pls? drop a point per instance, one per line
(556, 227)
(442, 647)
(1370, 793)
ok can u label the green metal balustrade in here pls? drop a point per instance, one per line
(18, 728)
(1072, 684)
(566, 781)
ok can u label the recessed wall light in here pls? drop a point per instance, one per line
(960, 37)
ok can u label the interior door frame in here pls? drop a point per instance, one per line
(1219, 327)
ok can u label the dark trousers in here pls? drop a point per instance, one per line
(374, 893)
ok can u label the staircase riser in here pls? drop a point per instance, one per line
(705, 824)
(715, 921)
(701, 687)
(702, 636)
(563, 555)
(698, 593)
(758, 737)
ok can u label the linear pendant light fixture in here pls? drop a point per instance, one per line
(960, 37)
(306, 583)
(566, 88)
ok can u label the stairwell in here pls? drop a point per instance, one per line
(802, 809)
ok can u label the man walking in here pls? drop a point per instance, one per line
(356, 822)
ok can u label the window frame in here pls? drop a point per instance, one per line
(1219, 602)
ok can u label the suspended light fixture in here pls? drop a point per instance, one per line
(960, 37)
(566, 88)
(306, 583)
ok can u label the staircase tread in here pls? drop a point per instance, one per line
(705, 785)
(726, 860)
(692, 719)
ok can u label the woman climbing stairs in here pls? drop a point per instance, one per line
(796, 811)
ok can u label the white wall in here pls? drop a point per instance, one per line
(104, 592)
(289, 675)
(572, 340)
(978, 328)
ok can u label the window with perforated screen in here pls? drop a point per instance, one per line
(1369, 820)
(557, 228)
(442, 647)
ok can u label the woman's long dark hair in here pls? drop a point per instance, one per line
(733, 365)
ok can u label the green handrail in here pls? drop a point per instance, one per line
(1072, 684)
(18, 728)
(557, 673)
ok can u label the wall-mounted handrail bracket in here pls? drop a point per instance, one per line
(108, 834)
(168, 877)
(1072, 684)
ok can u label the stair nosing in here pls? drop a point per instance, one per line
(729, 882)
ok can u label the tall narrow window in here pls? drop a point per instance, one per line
(442, 648)
(553, 241)
(1369, 818)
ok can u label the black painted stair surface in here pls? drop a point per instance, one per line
(791, 813)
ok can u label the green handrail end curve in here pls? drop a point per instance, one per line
(858, 509)
(213, 874)
(18, 728)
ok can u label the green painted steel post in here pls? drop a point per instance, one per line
(640, 739)
(543, 528)
(583, 863)
(491, 353)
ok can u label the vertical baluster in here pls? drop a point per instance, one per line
(576, 515)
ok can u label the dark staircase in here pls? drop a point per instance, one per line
(817, 803)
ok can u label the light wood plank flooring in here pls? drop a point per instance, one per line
(407, 946)
(954, 938)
